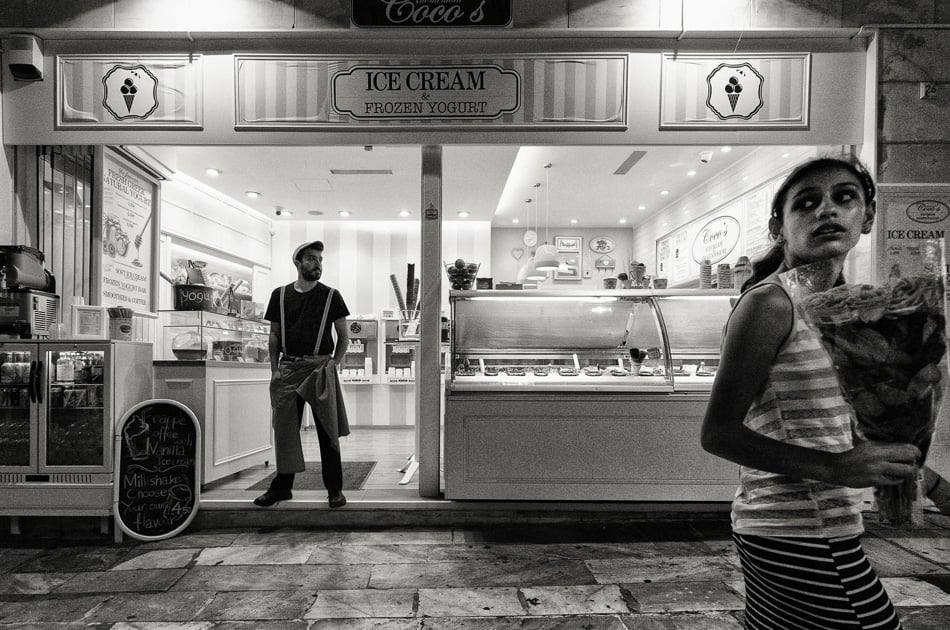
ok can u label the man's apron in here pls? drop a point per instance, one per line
(315, 379)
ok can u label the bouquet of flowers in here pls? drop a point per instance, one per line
(887, 344)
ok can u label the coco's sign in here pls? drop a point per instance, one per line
(442, 13)
(716, 239)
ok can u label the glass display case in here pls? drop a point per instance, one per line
(627, 340)
(205, 336)
(583, 395)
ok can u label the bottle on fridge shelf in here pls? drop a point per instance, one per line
(65, 369)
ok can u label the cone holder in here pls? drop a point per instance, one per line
(408, 325)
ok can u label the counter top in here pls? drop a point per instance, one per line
(212, 363)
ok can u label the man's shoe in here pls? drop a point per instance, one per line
(337, 500)
(272, 497)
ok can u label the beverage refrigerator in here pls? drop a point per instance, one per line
(59, 403)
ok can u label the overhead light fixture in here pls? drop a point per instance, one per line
(515, 220)
(344, 213)
(252, 194)
(545, 258)
(404, 213)
(664, 192)
(281, 212)
(726, 149)
(463, 213)
(690, 173)
(573, 221)
(623, 221)
(641, 207)
(212, 172)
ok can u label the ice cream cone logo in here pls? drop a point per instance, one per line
(735, 91)
(732, 89)
(130, 92)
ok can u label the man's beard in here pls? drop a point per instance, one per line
(311, 274)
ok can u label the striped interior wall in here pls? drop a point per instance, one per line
(358, 258)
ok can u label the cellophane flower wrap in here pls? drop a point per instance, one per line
(887, 344)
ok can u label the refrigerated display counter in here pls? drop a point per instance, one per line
(60, 401)
(583, 395)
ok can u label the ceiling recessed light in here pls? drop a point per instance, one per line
(344, 213)
(623, 220)
(726, 149)
(283, 213)
(252, 194)
(690, 173)
(463, 213)
(573, 221)
(404, 213)
(786, 155)
(315, 213)
(515, 220)
(641, 207)
(212, 172)
(664, 192)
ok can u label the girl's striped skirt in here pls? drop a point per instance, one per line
(812, 584)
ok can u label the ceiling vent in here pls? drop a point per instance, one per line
(361, 171)
(313, 185)
(631, 160)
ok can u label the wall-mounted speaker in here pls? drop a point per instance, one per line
(24, 57)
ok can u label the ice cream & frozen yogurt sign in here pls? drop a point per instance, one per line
(426, 92)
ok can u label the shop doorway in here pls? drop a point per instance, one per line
(366, 203)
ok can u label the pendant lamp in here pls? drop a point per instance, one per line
(545, 259)
(529, 271)
(533, 272)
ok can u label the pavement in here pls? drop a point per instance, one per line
(587, 572)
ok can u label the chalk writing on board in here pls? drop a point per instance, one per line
(156, 492)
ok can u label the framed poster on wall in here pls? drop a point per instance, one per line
(910, 215)
(127, 235)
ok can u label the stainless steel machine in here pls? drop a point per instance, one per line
(29, 307)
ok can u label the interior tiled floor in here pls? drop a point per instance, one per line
(390, 448)
(599, 575)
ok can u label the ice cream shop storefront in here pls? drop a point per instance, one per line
(488, 83)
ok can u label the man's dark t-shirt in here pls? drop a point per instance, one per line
(302, 315)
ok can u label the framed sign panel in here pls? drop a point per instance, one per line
(735, 91)
(128, 198)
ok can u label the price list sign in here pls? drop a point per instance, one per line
(157, 463)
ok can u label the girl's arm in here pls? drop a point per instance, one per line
(758, 327)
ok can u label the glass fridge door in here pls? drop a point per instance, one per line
(18, 435)
(75, 432)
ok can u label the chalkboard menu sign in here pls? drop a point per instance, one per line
(157, 462)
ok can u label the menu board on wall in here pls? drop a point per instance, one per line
(129, 203)
(757, 214)
(737, 228)
(910, 216)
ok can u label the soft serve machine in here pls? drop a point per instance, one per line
(29, 309)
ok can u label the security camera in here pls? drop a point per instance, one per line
(705, 156)
(279, 211)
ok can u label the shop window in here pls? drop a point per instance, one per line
(65, 219)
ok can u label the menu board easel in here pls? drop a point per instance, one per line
(157, 459)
